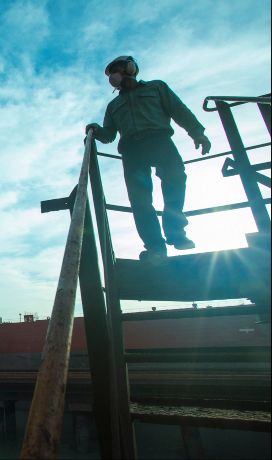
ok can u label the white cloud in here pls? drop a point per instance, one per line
(21, 294)
(44, 106)
(24, 27)
(8, 199)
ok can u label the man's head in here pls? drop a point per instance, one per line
(122, 72)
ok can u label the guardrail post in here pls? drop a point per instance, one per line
(244, 168)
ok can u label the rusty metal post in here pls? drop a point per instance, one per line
(43, 430)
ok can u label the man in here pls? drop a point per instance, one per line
(141, 114)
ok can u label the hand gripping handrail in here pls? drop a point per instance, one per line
(236, 100)
(43, 430)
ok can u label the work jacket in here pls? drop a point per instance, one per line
(146, 109)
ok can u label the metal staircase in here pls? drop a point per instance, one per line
(236, 274)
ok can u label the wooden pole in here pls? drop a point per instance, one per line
(43, 430)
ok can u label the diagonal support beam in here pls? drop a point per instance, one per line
(59, 204)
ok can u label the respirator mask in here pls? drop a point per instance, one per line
(120, 70)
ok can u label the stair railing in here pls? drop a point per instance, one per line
(240, 163)
(43, 430)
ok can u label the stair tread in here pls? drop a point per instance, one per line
(201, 416)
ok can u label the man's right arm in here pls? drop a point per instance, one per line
(107, 132)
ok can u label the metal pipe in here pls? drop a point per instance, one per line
(236, 100)
(194, 160)
(43, 430)
(194, 212)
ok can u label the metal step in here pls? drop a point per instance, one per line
(187, 312)
(230, 274)
(202, 417)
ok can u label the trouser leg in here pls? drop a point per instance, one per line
(139, 186)
(173, 219)
(173, 183)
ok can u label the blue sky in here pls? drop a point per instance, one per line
(52, 59)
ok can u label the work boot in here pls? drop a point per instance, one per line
(153, 255)
(181, 243)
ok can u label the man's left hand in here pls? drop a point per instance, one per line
(204, 142)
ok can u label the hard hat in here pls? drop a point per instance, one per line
(131, 68)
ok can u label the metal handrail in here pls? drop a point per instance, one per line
(195, 160)
(237, 100)
(196, 212)
(193, 212)
(43, 430)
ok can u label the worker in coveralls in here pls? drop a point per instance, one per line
(141, 114)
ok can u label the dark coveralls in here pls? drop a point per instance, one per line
(142, 116)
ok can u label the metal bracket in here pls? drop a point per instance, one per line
(59, 204)
(230, 168)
